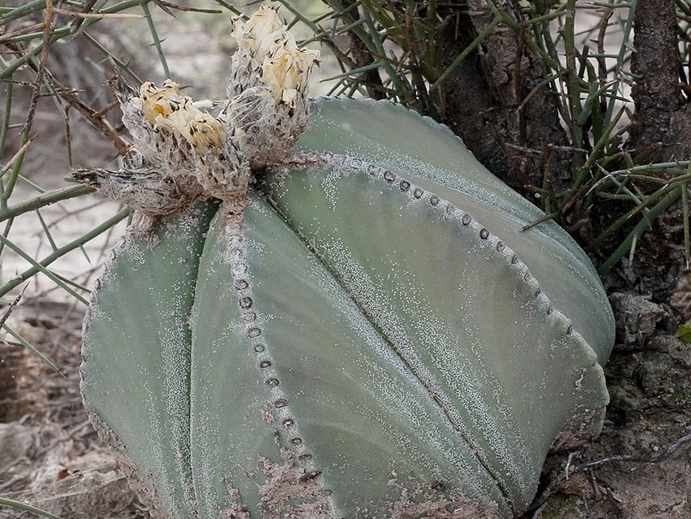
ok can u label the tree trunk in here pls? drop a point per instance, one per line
(661, 123)
(486, 101)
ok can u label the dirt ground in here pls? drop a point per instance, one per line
(51, 455)
(638, 468)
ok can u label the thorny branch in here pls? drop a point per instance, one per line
(12, 306)
(167, 6)
(363, 58)
(627, 458)
(96, 118)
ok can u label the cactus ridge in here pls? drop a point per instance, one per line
(348, 341)
(490, 245)
(278, 403)
(276, 409)
(432, 155)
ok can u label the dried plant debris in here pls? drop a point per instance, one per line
(181, 152)
(267, 106)
(430, 502)
(290, 490)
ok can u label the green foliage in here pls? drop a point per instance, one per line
(684, 332)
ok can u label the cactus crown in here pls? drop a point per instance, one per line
(208, 156)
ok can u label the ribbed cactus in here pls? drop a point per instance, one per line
(366, 332)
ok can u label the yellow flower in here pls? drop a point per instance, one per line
(267, 95)
(286, 72)
(166, 108)
(159, 101)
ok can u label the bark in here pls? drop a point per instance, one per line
(362, 58)
(468, 101)
(661, 126)
(486, 101)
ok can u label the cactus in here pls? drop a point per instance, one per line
(363, 332)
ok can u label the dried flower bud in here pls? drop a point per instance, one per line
(259, 34)
(181, 152)
(267, 109)
(286, 73)
(148, 190)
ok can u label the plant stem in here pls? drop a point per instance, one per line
(18, 505)
(640, 227)
(45, 199)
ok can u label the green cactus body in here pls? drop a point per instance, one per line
(373, 336)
